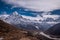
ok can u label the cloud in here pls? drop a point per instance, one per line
(44, 17)
(46, 13)
(54, 17)
(36, 5)
(33, 18)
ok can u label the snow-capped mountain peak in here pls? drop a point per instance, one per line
(23, 22)
(15, 13)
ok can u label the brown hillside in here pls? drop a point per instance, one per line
(9, 32)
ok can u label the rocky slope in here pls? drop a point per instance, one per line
(9, 32)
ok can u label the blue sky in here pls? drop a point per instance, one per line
(8, 8)
(5, 7)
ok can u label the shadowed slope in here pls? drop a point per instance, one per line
(55, 30)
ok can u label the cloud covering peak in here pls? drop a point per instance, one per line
(36, 5)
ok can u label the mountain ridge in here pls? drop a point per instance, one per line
(55, 30)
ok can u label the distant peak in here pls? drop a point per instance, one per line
(15, 13)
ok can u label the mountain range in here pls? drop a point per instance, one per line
(21, 22)
(9, 32)
(41, 29)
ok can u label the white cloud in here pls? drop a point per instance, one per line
(46, 13)
(44, 17)
(32, 18)
(4, 14)
(36, 5)
(51, 16)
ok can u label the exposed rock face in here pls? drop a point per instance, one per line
(9, 32)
